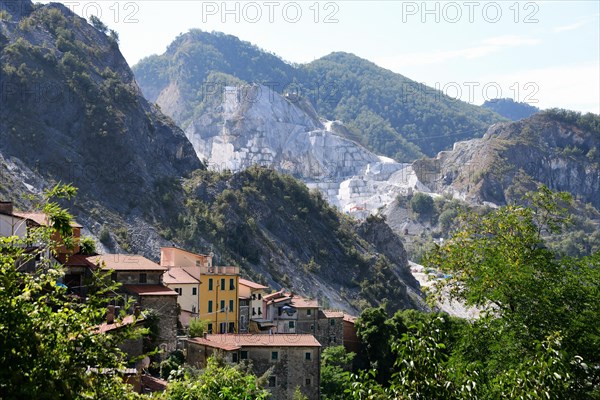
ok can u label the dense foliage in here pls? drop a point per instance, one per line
(510, 109)
(538, 336)
(280, 225)
(49, 344)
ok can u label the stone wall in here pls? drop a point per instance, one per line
(330, 331)
(166, 308)
(133, 277)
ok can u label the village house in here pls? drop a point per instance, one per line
(142, 284)
(351, 341)
(330, 328)
(188, 290)
(218, 287)
(294, 359)
(252, 293)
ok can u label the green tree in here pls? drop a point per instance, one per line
(218, 381)
(198, 327)
(49, 345)
(422, 204)
(336, 365)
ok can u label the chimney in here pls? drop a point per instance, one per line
(6, 207)
(205, 335)
(110, 314)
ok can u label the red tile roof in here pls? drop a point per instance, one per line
(252, 285)
(150, 290)
(263, 340)
(178, 275)
(128, 320)
(301, 302)
(40, 218)
(215, 344)
(349, 318)
(125, 262)
(333, 314)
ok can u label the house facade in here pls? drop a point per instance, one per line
(294, 359)
(218, 287)
(142, 284)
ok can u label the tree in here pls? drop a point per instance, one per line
(218, 381)
(336, 365)
(198, 327)
(49, 344)
(500, 263)
(422, 204)
(98, 24)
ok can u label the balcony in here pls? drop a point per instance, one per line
(220, 270)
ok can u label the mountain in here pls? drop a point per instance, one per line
(386, 112)
(71, 112)
(510, 109)
(558, 148)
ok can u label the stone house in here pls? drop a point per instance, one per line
(294, 359)
(330, 328)
(142, 284)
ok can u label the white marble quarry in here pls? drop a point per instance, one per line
(286, 134)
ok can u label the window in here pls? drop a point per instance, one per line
(260, 311)
(210, 306)
(222, 308)
(209, 328)
(259, 296)
(244, 355)
(210, 283)
(291, 324)
(309, 312)
(231, 328)
(253, 311)
(307, 382)
(230, 305)
(194, 291)
(272, 381)
(274, 355)
(308, 356)
(143, 277)
(312, 328)
(254, 297)
(235, 357)
(223, 327)
(332, 322)
(231, 284)
(222, 283)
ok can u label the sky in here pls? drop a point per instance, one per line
(544, 53)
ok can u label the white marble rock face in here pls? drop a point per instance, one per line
(267, 129)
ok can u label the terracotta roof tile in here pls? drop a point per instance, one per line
(263, 340)
(128, 320)
(252, 285)
(333, 314)
(150, 290)
(125, 262)
(215, 344)
(349, 318)
(178, 275)
(40, 218)
(153, 384)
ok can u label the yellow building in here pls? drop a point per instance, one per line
(218, 287)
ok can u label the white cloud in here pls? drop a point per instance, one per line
(484, 48)
(570, 27)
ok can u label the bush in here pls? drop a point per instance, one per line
(422, 204)
(198, 327)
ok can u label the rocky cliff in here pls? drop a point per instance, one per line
(557, 148)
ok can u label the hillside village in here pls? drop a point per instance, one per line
(277, 331)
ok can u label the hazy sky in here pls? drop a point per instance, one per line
(545, 53)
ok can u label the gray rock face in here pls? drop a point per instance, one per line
(258, 126)
(561, 155)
